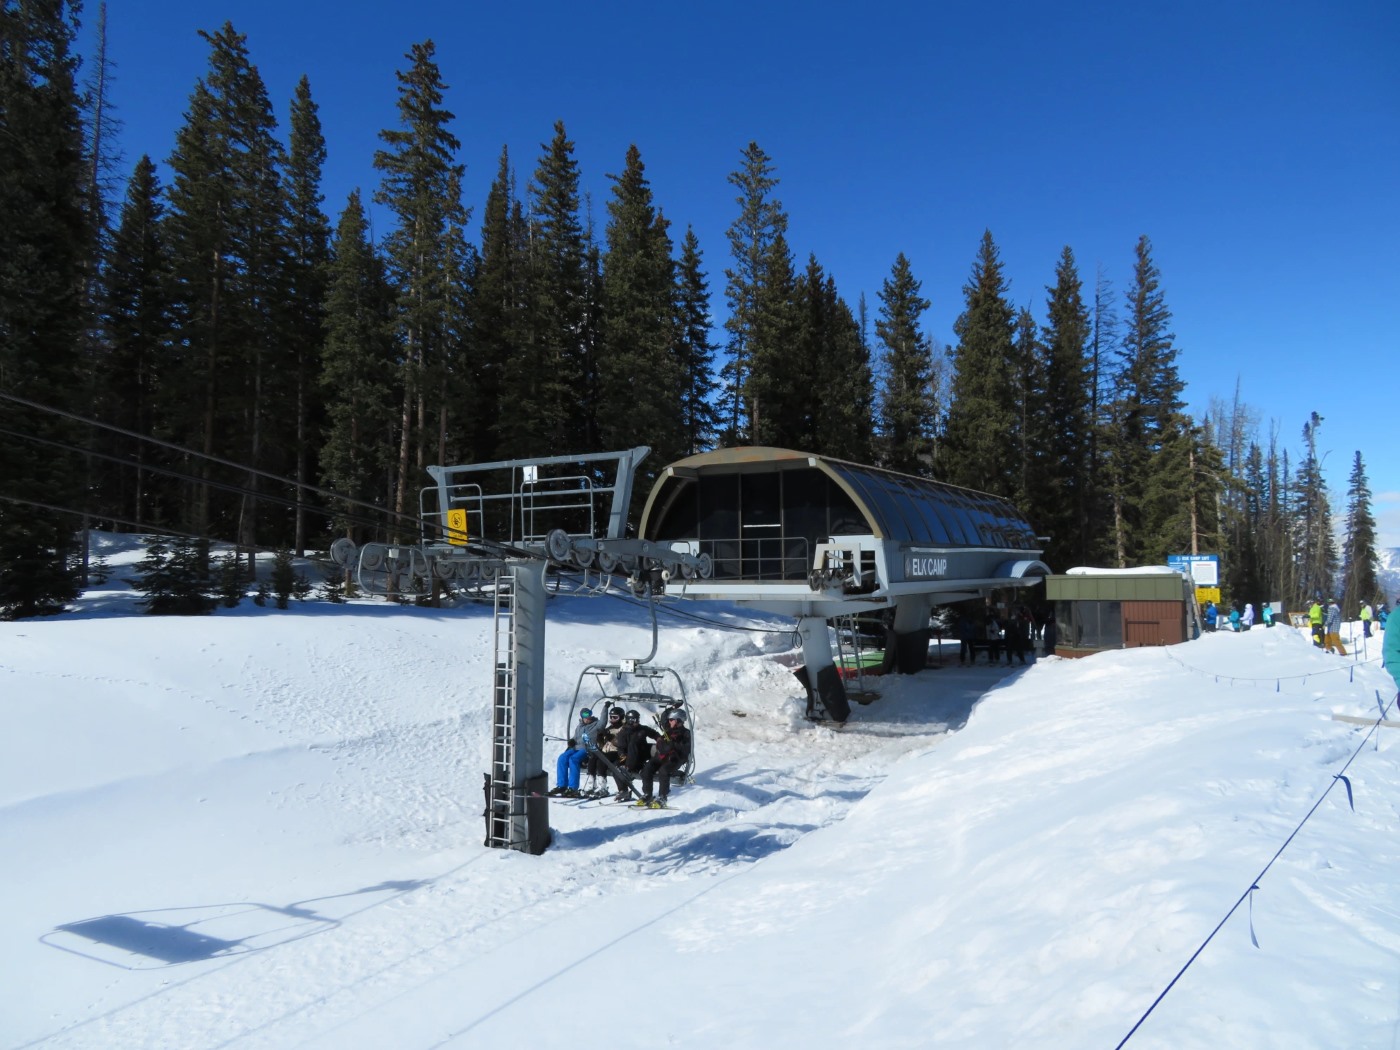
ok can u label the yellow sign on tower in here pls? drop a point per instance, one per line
(457, 527)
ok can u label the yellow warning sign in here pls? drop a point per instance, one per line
(1207, 594)
(457, 527)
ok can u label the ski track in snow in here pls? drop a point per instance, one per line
(403, 737)
(381, 745)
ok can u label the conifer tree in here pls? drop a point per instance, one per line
(779, 405)
(46, 245)
(1152, 447)
(838, 403)
(752, 237)
(983, 412)
(174, 576)
(459, 407)
(1314, 549)
(136, 319)
(1029, 490)
(1252, 546)
(1104, 529)
(358, 376)
(1359, 579)
(308, 234)
(419, 176)
(1063, 509)
(907, 402)
(545, 376)
(641, 376)
(499, 310)
(227, 233)
(699, 415)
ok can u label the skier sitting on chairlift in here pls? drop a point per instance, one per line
(584, 741)
(671, 751)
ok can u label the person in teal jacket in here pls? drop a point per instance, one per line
(1390, 652)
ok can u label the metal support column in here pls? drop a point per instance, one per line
(826, 693)
(517, 814)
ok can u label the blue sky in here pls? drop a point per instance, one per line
(1256, 144)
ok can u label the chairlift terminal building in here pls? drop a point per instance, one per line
(814, 537)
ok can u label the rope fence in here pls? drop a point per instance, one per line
(1248, 894)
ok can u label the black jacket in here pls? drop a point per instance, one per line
(674, 746)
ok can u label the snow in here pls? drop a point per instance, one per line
(263, 829)
(1142, 570)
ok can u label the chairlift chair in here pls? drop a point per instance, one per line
(653, 691)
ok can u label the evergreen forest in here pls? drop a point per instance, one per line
(220, 354)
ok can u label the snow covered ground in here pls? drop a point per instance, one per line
(263, 829)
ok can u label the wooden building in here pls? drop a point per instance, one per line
(1099, 609)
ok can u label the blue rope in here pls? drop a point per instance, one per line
(1254, 884)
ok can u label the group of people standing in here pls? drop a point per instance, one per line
(1236, 619)
(1326, 623)
(1013, 632)
(627, 749)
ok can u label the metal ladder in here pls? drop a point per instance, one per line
(505, 810)
(848, 650)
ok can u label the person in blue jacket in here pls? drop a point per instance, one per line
(583, 742)
(1211, 614)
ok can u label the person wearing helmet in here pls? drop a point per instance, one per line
(584, 740)
(609, 758)
(633, 741)
(1315, 620)
(672, 750)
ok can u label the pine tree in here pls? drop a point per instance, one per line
(136, 320)
(752, 238)
(308, 235)
(459, 407)
(1153, 447)
(46, 247)
(499, 310)
(174, 577)
(907, 402)
(983, 412)
(1359, 562)
(1105, 533)
(640, 369)
(358, 376)
(838, 403)
(1314, 549)
(419, 177)
(779, 402)
(544, 378)
(699, 415)
(1063, 507)
(1033, 425)
(227, 234)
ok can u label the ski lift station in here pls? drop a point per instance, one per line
(817, 538)
(772, 529)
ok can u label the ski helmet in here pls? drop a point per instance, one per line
(675, 716)
(586, 713)
(634, 717)
(615, 715)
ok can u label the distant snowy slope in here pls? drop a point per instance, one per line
(1389, 573)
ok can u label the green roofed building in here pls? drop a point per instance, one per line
(1099, 609)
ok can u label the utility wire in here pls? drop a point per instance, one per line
(147, 527)
(237, 490)
(327, 493)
